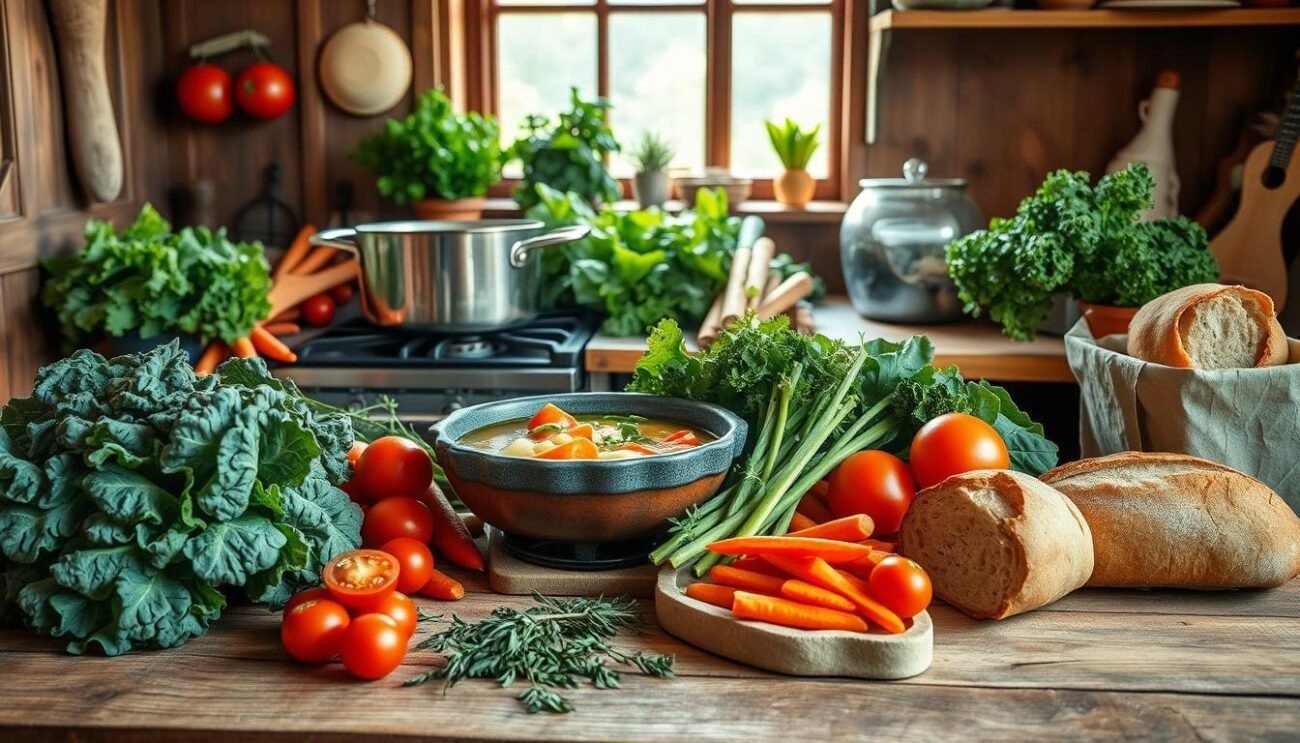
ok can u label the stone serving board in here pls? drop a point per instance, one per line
(869, 655)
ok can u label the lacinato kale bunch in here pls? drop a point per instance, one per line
(1072, 237)
(133, 493)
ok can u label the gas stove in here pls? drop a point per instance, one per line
(433, 374)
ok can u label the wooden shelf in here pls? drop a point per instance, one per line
(1099, 18)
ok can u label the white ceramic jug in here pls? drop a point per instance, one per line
(1154, 145)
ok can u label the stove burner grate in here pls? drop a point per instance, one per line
(551, 553)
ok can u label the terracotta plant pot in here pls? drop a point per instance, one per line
(1105, 319)
(794, 187)
(459, 210)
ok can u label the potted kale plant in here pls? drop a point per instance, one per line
(569, 155)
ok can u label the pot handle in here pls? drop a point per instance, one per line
(519, 251)
(342, 238)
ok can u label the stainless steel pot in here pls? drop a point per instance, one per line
(451, 277)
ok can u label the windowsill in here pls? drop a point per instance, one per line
(816, 212)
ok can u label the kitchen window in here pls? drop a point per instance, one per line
(704, 73)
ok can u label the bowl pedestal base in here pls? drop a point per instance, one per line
(511, 575)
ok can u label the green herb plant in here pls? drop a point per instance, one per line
(434, 153)
(794, 146)
(568, 155)
(550, 646)
(1084, 240)
(148, 279)
(653, 154)
(134, 493)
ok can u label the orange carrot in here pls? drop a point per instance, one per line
(244, 348)
(789, 613)
(450, 536)
(745, 580)
(877, 544)
(814, 509)
(847, 529)
(314, 262)
(818, 572)
(638, 448)
(806, 593)
(283, 328)
(711, 593)
(296, 252)
(270, 346)
(859, 582)
(582, 431)
(474, 525)
(820, 490)
(289, 315)
(828, 549)
(443, 586)
(215, 354)
(800, 523)
(863, 566)
(758, 565)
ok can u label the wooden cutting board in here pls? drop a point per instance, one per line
(867, 655)
(509, 575)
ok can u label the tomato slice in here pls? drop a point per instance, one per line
(682, 438)
(361, 578)
(550, 414)
(576, 449)
(583, 431)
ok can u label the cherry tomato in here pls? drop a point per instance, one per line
(393, 465)
(392, 518)
(955, 443)
(313, 630)
(355, 452)
(360, 579)
(373, 646)
(901, 585)
(576, 449)
(311, 594)
(342, 293)
(318, 311)
(401, 609)
(352, 487)
(875, 483)
(204, 93)
(264, 90)
(416, 560)
(551, 415)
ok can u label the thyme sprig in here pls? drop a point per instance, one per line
(551, 646)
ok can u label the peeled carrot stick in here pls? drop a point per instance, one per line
(806, 593)
(282, 328)
(859, 581)
(443, 586)
(289, 315)
(296, 252)
(215, 354)
(789, 613)
(314, 262)
(818, 572)
(814, 509)
(758, 565)
(745, 580)
(827, 549)
(270, 346)
(880, 545)
(244, 348)
(712, 593)
(450, 536)
(847, 529)
(801, 523)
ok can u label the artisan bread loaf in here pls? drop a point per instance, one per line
(997, 542)
(1180, 521)
(1208, 326)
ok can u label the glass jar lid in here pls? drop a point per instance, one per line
(913, 177)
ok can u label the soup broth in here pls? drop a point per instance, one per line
(554, 434)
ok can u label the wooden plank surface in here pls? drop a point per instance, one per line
(1098, 18)
(979, 350)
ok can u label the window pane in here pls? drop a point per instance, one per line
(507, 3)
(781, 2)
(658, 2)
(532, 77)
(781, 66)
(656, 77)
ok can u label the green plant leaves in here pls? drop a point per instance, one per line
(229, 552)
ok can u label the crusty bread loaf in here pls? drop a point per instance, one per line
(997, 542)
(1175, 520)
(1208, 326)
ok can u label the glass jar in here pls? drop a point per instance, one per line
(892, 244)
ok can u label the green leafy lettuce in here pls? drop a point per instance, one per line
(133, 493)
(148, 279)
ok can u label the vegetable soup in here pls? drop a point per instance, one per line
(554, 434)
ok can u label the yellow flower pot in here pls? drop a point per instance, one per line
(794, 187)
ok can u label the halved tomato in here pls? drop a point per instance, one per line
(551, 415)
(576, 449)
(359, 579)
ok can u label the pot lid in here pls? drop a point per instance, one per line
(913, 177)
(365, 68)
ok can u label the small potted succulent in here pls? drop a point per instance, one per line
(438, 161)
(795, 148)
(568, 155)
(652, 156)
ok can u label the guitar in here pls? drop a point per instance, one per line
(1250, 250)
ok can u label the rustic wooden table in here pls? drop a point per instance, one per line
(1104, 664)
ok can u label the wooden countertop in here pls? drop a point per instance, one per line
(1098, 664)
(980, 350)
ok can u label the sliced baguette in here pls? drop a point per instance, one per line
(1209, 326)
(997, 542)
(1179, 521)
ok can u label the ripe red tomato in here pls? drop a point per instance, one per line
(875, 483)
(204, 93)
(354, 453)
(341, 293)
(393, 465)
(360, 579)
(901, 585)
(311, 594)
(373, 646)
(401, 609)
(416, 560)
(264, 90)
(955, 443)
(392, 518)
(312, 630)
(318, 311)
(352, 487)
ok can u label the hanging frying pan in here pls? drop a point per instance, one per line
(365, 67)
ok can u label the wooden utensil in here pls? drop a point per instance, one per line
(786, 295)
(92, 127)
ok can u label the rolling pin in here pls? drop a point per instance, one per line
(88, 109)
(756, 279)
(786, 295)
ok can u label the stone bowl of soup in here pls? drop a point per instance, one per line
(587, 467)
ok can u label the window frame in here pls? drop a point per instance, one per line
(481, 71)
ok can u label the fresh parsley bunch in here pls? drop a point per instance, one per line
(133, 493)
(149, 279)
